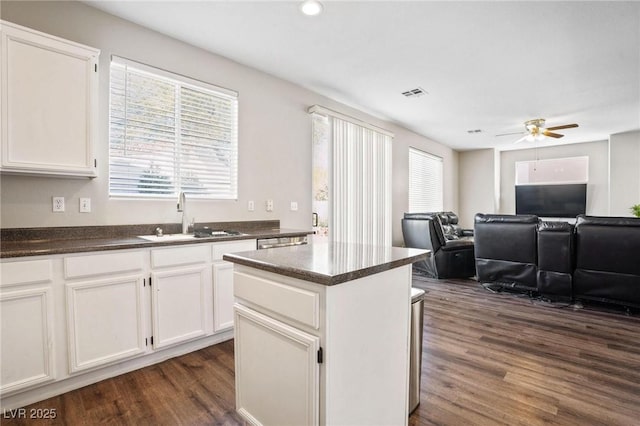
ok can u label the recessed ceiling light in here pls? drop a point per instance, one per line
(311, 7)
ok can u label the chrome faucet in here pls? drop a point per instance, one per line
(182, 207)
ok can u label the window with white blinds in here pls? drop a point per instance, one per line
(425, 182)
(170, 134)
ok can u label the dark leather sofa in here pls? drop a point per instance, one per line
(607, 260)
(450, 257)
(598, 259)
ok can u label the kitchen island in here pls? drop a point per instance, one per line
(322, 334)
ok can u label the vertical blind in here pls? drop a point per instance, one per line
(361, 207)
(425, 182)
(168, 134)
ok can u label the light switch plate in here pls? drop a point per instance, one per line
(251, 206)
(269, 205)
(294, 206)
(57, 204)
(85, 205)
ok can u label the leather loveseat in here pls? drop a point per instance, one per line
(598, 259)
(450, 257)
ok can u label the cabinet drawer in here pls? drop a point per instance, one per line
(232, 247)
(294, 303)
(183, 255)
(98, 264)
(27, 272)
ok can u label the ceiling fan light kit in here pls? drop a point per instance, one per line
(537, 132)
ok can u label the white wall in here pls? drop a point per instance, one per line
(274, 133)
(597, 188)
(624, 159)
(479, 171)
(401, 177)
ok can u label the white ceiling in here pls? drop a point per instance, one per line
(485, 65)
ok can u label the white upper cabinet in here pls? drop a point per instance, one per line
(49, 90)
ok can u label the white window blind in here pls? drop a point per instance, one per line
(351, 182)
(425, 182)
(169, 134)
(361, 184)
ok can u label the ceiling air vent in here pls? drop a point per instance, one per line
(415, 93)
(474, 131)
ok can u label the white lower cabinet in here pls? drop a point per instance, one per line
(309, 354)
(105, 320)
(223, 282)
(277, 371)
(27, 350)
(27, 338)
(71, 320)
(178, 304)
(222, 296)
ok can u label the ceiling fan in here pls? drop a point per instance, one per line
(535, 130)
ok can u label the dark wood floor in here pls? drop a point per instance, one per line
(488, 359)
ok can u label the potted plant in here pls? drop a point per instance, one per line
(636, 210)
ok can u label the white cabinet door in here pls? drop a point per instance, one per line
(179, 304)
(26, 353)
(223, 282)
(105, 320)
(222, 296)
(277, 372)
(49, 94)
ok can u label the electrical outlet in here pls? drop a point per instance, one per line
(269, 205)
(57, 204)
(251, 206)
(294, 206)
(85, 205)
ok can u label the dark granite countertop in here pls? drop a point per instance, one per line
(326, 263)
(21, 242)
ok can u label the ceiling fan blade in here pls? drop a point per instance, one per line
(546, 132)
(564, 126)
(521, 139)
(512, 133)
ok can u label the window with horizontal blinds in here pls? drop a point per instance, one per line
(425, 182)
(170, 134)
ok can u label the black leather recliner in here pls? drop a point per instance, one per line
(457, 229)
(449, 222)
(449, 258)
(607, 260)
(506, 250)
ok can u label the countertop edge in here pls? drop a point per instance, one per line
(126, 243)
(327, 280)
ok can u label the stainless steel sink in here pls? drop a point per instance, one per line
(171, 237)
(183, 237)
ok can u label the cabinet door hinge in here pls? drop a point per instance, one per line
(320, 357)
(95, 67)
(152, 340)
(149, 281)
(95, 163)
(146, 341)
(144, 282)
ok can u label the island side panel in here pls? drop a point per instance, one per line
(367, 350)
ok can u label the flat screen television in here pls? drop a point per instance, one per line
(552, 200)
